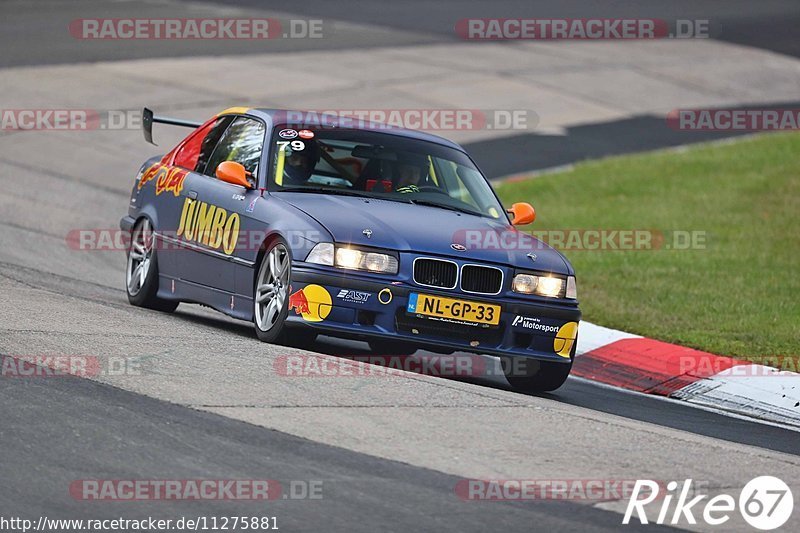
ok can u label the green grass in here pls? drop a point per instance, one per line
(738, 296)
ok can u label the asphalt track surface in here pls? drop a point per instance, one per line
(770, 25)
(57, 430)
(131, 436)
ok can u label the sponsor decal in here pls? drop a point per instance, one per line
(287, 134)
(534, 324)
(312, 302)
(306, 134)
(239, 197)
(356, 297)
(209, 225)
(252, 205)
(385, 296)
(167, 178)
(565, 339)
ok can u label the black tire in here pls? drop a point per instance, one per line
(391, 347)
(530, 376)
(144, 294)
(277, 332)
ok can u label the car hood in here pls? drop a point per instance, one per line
(427, 230)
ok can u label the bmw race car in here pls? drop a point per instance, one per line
(309, 224)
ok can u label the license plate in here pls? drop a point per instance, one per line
(450, 308)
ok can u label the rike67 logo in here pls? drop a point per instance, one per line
(765, 503)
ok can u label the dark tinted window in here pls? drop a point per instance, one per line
(242, 142)
(187, 155)
(210, 142)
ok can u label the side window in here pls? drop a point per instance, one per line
(210, 141)
(189, 151)
(242, 142)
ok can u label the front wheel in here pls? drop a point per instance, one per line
(141, 273)
(271, 293)
(530, 376)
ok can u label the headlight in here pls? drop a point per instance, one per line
(326, 253)
(349, 258)
(542, 285)
(322, 254)
(572, 288)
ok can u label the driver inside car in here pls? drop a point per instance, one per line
(411, 172)
(300, 164)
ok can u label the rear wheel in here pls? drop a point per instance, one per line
(531, 376)
(271, 293)
(141, 274)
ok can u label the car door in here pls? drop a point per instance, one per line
(176, 184)
(212, 221)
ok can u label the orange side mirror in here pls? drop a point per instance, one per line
(522, 213)
(233, 172)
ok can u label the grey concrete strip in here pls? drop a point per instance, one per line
(63, 430)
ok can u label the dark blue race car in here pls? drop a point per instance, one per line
(307, 224)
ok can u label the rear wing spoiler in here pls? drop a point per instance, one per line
(147, 124)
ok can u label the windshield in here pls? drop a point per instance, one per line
(373, 164)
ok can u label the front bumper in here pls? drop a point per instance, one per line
(126, 223)
(327, 302)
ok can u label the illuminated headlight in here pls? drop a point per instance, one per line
(541, 285)
(353, 258)
(349, 258)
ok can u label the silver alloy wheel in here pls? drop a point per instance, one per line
(272, 287)
(139, 257)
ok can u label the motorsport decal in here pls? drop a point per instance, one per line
(287, 134)
(209, 225)
(252, 205)
(306, 134)
(356, 297)
(167, 178)
(312, 302)
(536, 325)
(565, 339)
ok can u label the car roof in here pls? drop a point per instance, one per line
(272, 116)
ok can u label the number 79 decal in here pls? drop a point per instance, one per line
(295, 146)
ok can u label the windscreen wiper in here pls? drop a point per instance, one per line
(444, 206)
(331, 190)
